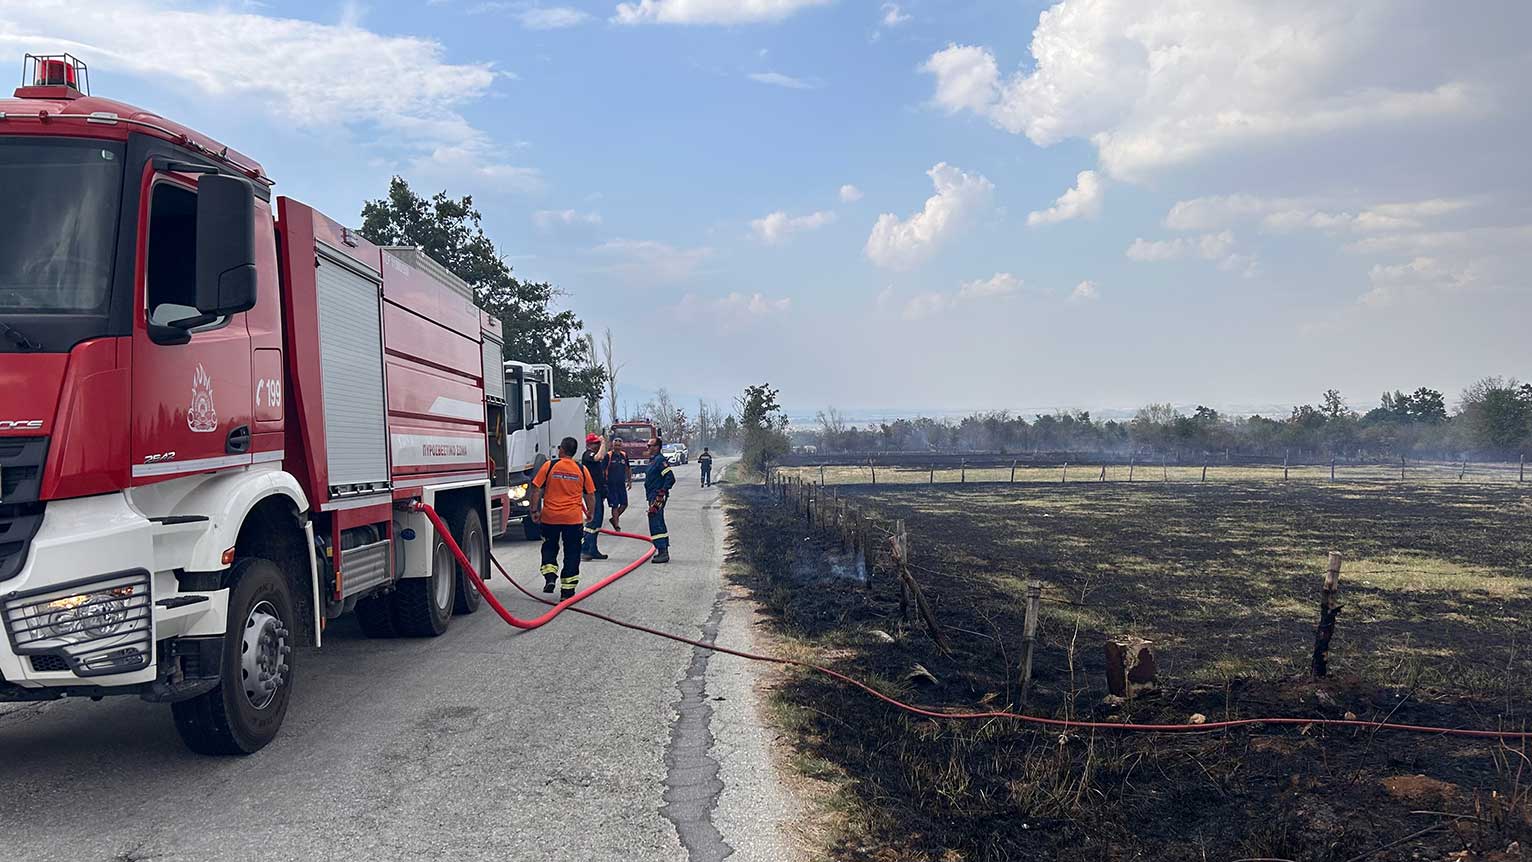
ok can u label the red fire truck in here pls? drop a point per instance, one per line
(215, 408)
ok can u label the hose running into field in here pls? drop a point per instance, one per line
(987, 715)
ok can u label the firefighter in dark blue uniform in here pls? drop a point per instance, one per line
(658, 480)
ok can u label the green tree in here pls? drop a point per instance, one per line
(1427, 405)
(763, 426)
(1335, 406)
(450, 231)
(1498, 413)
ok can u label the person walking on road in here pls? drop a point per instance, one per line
(658, 480)
(595, 463)
(619, 479)
(562, 492)
(705, 461)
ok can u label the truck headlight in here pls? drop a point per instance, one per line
(519, 493)
(102, 626)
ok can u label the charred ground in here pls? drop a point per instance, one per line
(1436, 629)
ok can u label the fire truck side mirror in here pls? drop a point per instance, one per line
(225, 245)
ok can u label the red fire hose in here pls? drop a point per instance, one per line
(1059, 723)
(558, 607)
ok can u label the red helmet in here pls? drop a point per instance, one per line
(592, 438)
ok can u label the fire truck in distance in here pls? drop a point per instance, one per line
(216, 410)
(636, 436)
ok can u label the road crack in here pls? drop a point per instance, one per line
(692, 785)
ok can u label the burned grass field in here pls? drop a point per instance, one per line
(1224, 579)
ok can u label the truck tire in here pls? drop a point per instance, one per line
(423, 606)
(246, 710)
(375, 613)
(474, 541)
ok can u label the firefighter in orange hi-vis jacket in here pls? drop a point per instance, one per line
(562, 493)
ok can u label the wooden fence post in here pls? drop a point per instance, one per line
(931, 479)
(911, 589)
(1013, 471)
(1204, 472)
(1522, 475)
(1165, 471)
(874, 468)
(1463, 471)
(1284, 466)
(1103, 472)
(821, 474)
(1401, 468)
(901, 549)
(1332, 469)
(1064, 477)
(1328, 611)
(1131, 459)
(963, 475)
(1028, 641)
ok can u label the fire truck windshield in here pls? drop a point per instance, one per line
(58, 203)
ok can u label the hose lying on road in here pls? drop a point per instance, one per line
(1058, 723)
(558, 607)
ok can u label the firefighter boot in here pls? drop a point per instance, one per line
(661, 556)
(550, 577)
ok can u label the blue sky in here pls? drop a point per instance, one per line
(1095, 204)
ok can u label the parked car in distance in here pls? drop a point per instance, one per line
(675, 453)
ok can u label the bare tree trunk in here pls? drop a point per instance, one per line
(611, 376)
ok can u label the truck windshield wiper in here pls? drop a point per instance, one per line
(19, 337)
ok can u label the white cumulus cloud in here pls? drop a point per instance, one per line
(710, 11)
(967, 78)
(285, 68)
(1157, 84)
(1216, 247)
(893, 15)
(778, 226)
(850, 194)
(1082, 201)
(999, 284)
(1085, 291)
(932, 303)
(902, 243)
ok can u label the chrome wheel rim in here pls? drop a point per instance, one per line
(443, 567)
(473, 549)
(264, 649)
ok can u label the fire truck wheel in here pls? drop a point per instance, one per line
(245, 711)
(376, 615)
(475, 544)
(423, 606)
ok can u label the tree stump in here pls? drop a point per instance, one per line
(1130, 667)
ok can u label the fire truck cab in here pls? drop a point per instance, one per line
(217, 410)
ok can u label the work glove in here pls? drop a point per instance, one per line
(657, 503)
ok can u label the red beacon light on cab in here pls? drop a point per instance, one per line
(53, 76)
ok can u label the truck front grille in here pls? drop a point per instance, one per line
(21, 472)
(18, 524)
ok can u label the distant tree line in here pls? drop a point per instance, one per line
(1492, 419)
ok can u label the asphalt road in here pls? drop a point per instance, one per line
(578, 741)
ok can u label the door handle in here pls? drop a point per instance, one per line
(238, 442)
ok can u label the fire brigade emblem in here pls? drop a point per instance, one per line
(202, 416)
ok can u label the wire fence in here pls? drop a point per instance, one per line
(1019, 471)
